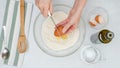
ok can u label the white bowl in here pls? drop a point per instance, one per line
(38, 38)
(99, 11)
(90, 54)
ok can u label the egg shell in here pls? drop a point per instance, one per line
(99, 19)
(93, 23)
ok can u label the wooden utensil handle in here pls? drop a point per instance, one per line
(22, 13)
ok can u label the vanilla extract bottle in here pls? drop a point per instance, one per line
(104, 36)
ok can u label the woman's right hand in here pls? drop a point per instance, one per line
(45, 6)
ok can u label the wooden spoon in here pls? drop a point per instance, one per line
(22, 41)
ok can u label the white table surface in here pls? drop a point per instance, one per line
(36, 58)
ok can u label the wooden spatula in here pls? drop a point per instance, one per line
(22, 41)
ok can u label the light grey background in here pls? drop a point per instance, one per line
(36, 58)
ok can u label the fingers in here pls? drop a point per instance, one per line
(72, 28)
(63, 22)
(66, 27)
(45, 12)
(37, 2)
(44, 6)
(41, 8)
(47, 9)
(51, 8)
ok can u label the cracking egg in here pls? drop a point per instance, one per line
(59, 34)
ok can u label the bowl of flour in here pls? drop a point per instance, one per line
(46, 40)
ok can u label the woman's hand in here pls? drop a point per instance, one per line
(45, 6)
(72, 21)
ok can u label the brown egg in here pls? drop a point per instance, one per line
(97, 18)
(58, 32)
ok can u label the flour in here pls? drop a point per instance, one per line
(50, 40)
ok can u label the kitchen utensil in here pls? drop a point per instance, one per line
(50, 15)
(22, 41)
(5, 51)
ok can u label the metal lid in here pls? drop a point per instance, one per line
(110, 35)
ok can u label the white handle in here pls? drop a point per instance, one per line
(5, 36)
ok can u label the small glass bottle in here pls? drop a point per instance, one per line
(104, 36)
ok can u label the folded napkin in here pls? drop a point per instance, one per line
(12, 22)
